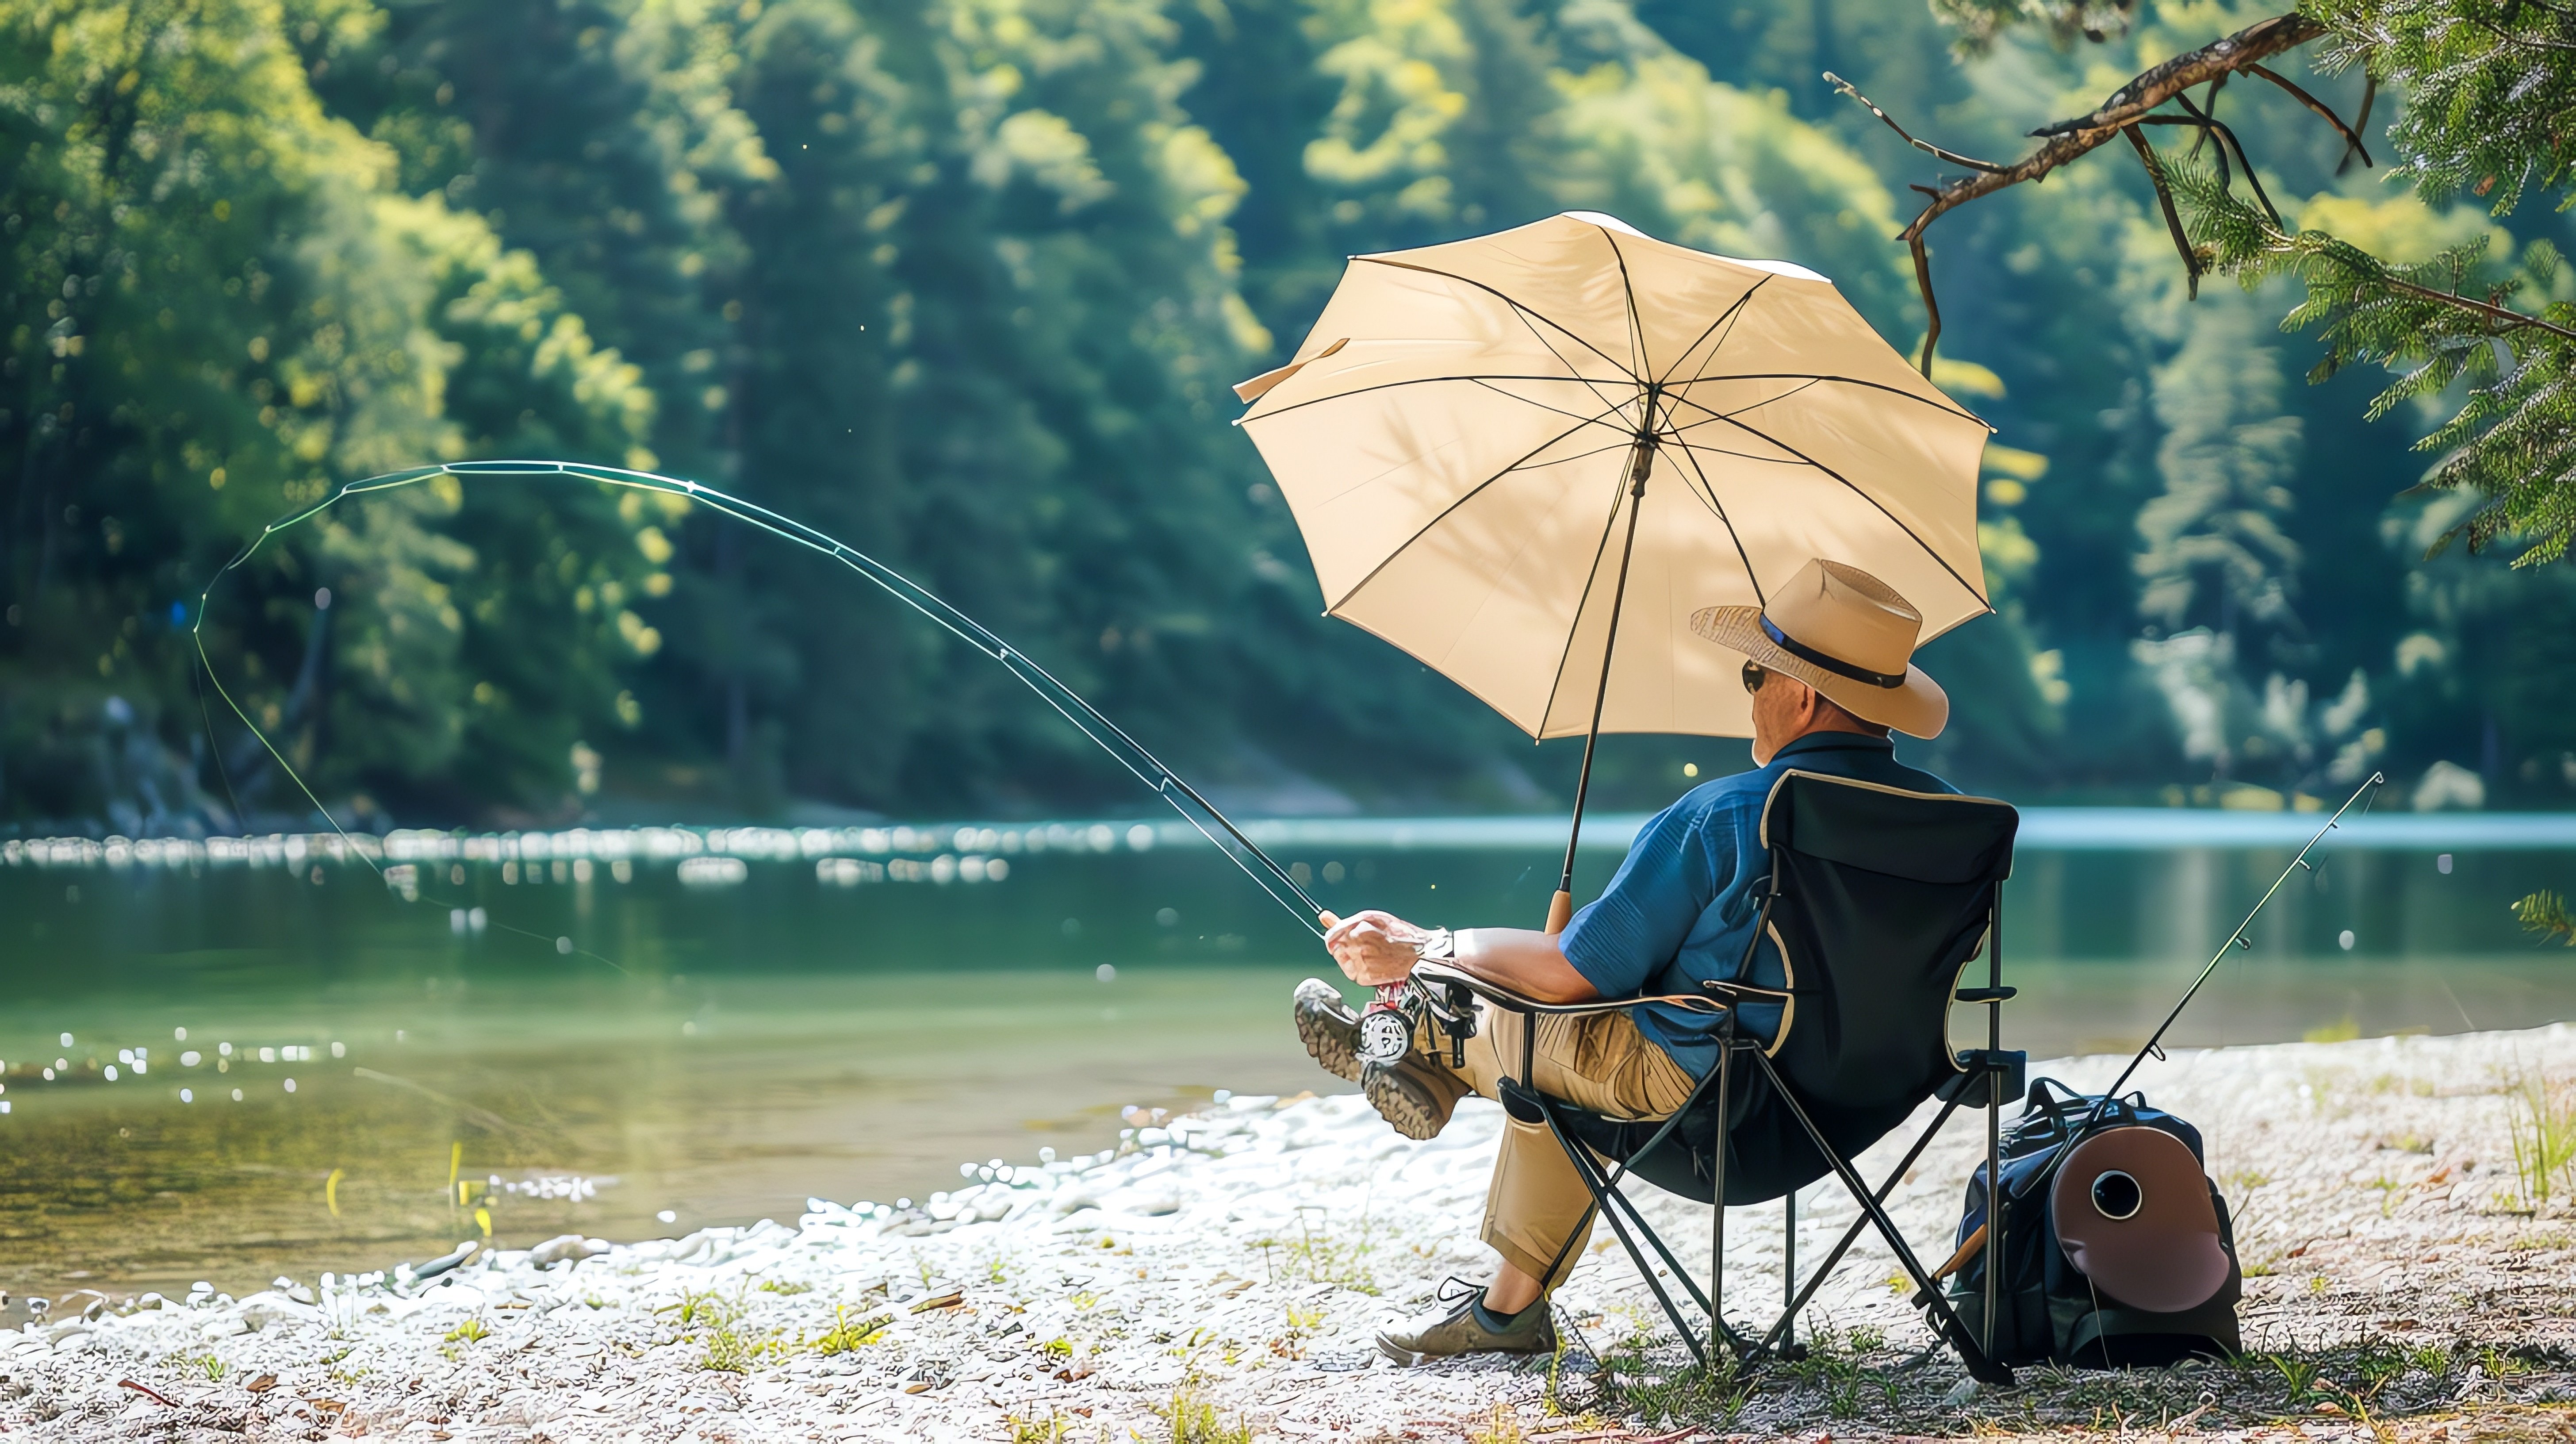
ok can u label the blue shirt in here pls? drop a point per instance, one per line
(1680, 909)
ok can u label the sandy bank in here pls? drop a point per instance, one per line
(1243, 1258)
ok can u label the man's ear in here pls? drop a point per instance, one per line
(1811, 706)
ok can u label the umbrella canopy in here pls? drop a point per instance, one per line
(1528, 458)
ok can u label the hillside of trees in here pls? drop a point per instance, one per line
(964, 282)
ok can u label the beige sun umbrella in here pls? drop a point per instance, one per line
(1527, 458)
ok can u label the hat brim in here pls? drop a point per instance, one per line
(1919, 708)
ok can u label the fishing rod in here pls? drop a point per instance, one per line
(1244, 853)
(2154, 1045)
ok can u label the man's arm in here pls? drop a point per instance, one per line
(1376, 948)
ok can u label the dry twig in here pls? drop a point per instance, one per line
(148, 1392)
(2070, 140)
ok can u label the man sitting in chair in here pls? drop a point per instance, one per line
(1830, 675)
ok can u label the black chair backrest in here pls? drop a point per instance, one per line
(1884, 896)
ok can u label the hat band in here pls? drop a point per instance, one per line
(1835, 665)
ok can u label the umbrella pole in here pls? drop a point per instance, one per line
(1560, 908)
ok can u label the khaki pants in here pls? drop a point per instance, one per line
(1598, 1062)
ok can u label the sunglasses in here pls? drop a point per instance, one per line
(1754, 675)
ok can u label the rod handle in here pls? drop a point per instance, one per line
(1560, 911)
(1976, 1243)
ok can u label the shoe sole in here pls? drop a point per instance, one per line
(1406, 1110)
(1408, 1359)
(1330, 1040)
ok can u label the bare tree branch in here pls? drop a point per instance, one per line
(1931, 307)
(2173, 220)
(1925, 146)
(2369, 97)
(2351, 138)
(2070, 140)
(2226, 141)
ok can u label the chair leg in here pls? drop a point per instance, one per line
(1607, 1201)
(1852, 1234)
(1994, 1205)
(1946, 1322)
(1994, 1121)
(1789, 1268)
(1653, 1142)
(1717, 1200)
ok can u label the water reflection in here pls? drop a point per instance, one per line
(570, 1048)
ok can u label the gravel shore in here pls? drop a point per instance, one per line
(1226, 1271)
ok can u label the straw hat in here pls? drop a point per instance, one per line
(1845, 633)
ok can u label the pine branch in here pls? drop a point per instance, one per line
(2545, 913)
(2512, 440)
(2490, 90)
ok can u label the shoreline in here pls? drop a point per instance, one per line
(1240, 1259)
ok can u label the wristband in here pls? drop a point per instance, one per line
(1440, 947)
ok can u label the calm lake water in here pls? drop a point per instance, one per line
(645, 1039)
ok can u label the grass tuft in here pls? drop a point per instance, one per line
(1504, 1427)
(1318, 1256)
(716, 1321)
(2544, 1132)
(846, 1337)
(1050, 1430)
(1194, 1420)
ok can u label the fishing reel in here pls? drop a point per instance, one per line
(1388, 1025)
(1394, 1018)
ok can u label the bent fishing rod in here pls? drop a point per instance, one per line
(1244, 853)
(2154, 1046)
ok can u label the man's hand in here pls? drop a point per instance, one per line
(1375, 948)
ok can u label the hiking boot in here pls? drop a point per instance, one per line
(1329, 1029)
(1413, 1094)
(1458, 1325)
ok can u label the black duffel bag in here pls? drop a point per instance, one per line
(2117, 1250)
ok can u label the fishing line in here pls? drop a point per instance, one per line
(2235, 940)
(1068, 704)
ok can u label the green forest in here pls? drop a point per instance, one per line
(964, 283)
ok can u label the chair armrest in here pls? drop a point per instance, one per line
(1748, 990)
(1444, 976)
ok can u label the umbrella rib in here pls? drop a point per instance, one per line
(1716, 415)
(1949, 407)
(1561, 411)
(1765, 401)
(1723, 317)
(1738, 455)
(1707, 492)
(1525, 315)
(1623, 444)
(1628, 293)
(1938, 559)
(1469, 495)
(1481, 380)
(1525, 312)
(1556, 684)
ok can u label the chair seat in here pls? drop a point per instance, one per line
(1771, 1153)
(1768, 1153)
(1878, 900)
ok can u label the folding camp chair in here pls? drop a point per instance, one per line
(1878, 900)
